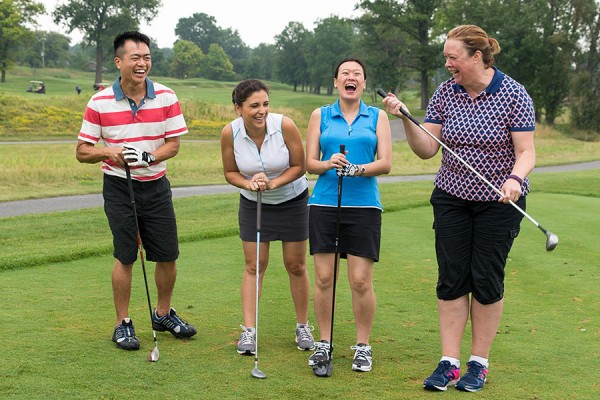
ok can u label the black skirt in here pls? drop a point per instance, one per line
(287, 221)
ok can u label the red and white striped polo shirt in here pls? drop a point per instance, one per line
(116, 120)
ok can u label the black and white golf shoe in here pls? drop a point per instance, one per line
(320, 360)
(124, 336)
(173, 323)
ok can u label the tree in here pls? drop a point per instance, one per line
(381, 47)
(260, 62)
(187, 59)
(539, 44)
(54, 46)
(101, 20)
(585, 110)
(14, 15)
(291, 64)
(414, 18)
(202, 30)
(161, 60)
(216, 65)
(331, 42)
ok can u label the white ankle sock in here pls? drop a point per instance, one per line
(480, 360)
(453, 361)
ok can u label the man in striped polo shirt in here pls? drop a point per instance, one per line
(139, 123)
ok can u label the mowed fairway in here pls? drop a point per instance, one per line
(58, 320)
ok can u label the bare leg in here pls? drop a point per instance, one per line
(323, 292)
(294, 258)
(360, 276)
(164, 277)
(249, 279)
(485, 320)
(121, 284)
(453, 316)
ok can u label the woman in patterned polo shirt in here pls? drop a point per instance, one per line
(487, 118)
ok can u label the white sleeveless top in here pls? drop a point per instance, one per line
(273, 159)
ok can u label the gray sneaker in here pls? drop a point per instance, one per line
(304, 339)
(363, 358)
(247, 342)
(321, 353)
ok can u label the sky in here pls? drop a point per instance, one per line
(256, 21)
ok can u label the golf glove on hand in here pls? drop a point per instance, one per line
(136, 157)
(348, 170)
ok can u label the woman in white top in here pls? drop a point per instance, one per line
(263, 151)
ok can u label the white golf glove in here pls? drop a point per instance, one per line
(136, 157)
(348, 170)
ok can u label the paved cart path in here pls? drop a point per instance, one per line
(65, 203)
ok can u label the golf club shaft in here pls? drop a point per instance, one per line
(258, 223)
(383, 94)
(337, 251)
(140, 247)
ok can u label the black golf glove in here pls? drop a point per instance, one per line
(348, 170)
(136, 157)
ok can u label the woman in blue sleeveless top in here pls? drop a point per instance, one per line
(365, 133)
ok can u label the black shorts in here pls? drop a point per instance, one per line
(360, 231)
(156, 218)
(472, 241)
(287, 221)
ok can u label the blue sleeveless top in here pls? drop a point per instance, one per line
(360, 140)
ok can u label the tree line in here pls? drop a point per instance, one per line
(551, 47)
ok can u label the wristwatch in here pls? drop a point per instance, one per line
(151, 158)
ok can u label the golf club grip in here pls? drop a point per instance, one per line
(129, 183)
(383, 94)
(258, 209)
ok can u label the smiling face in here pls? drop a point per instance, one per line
(254, 110)
(459, 63)
(350, 80)
(134, 62)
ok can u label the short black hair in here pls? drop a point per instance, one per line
(130, 35)
(245, 88)
(345, 60)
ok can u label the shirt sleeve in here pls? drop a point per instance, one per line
(522, 118)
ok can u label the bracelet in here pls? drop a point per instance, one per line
(516, 178)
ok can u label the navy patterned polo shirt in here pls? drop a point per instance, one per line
(479, 131)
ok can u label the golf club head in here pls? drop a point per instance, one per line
(257, 373)
(154, 355)
(323, 369)
(551, 241)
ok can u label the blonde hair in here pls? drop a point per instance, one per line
(474, 38)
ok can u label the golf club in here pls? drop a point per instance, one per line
(551, 238)
(325, 369)
(154, 354)
(257, 373)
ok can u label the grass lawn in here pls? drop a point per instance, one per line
(59, 346)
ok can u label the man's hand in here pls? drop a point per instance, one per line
(348, 170)
(135, 157)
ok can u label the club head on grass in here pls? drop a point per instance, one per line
(551, 241)
(154, 355)
(323, 369)
(257, 373)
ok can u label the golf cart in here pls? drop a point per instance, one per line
(37, 87)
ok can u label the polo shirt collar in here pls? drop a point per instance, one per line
(492, 87)
(119, 95)
(337, 112)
